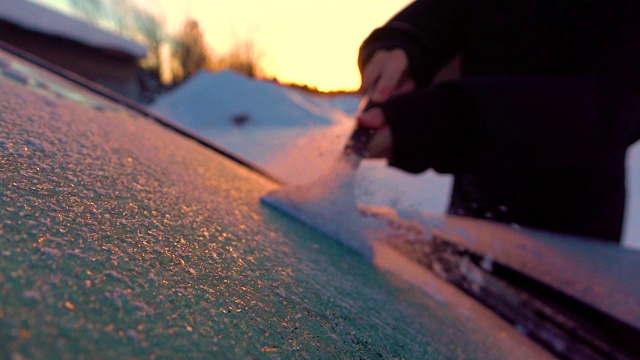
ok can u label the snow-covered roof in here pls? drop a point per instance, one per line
(41, 19)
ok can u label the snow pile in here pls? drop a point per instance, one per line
(219, 99)
(41, 19)
(298, 137)
(347, 103)
(286, 131)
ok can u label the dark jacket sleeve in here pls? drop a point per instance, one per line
(430, 31)
(512, 124)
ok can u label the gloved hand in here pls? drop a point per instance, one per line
(385, 76)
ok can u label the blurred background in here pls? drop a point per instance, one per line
(312, 43)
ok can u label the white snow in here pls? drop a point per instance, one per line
(44, 20)
(297, 137)
(211, 100)
(631, 235)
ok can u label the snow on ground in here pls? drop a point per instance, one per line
(41, 19)
(297, 137)
(212, 100)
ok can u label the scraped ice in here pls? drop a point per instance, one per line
(328, 205)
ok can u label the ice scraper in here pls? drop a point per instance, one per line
(328, 204)
(356, 147)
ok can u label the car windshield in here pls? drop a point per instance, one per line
(121, 238)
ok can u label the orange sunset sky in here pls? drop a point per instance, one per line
(313, 42)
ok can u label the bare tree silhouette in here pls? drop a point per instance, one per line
(243, 58)
(151, 30)
(190, 51)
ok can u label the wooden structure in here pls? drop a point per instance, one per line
(76, 46)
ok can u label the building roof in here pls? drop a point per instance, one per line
(50, 22)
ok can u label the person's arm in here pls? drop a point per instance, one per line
(430, 32)
(620, 63)
(511, 124)
(405, 54)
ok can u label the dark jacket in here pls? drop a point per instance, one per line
(537, 128)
